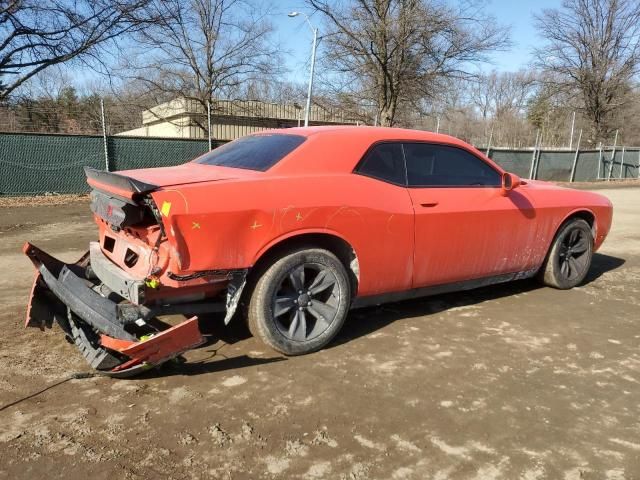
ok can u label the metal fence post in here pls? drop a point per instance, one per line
(599, 161)
(613, 156)
(622, 163)
(537, 167)
(573, 123)
(533, 157)
(104, 135)
(209, 123)
(572, 176)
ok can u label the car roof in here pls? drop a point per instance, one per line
(369, 132)
(338, 148)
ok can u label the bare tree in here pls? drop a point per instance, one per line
(272, 90)
(592, 52)
(203, 49)
(496, 94)
(390, 52)
(36, 34)
(501, 100)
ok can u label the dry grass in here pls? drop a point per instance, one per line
(39, 200)
(599, 185)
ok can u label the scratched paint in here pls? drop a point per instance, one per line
(470, 233)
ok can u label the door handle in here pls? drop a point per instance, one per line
(429, 204)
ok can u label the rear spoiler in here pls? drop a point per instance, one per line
(117, 184)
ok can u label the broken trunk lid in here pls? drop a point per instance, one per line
(115, 183)
(130, 183)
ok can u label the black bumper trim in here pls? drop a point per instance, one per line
(87, 342)
(99, 312)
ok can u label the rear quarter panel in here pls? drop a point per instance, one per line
(230, 224)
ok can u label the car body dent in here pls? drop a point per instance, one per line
(228, 222)
(202, 228)
(229, 225)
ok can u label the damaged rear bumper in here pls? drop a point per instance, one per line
(111, 339)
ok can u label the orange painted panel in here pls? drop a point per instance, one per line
(223, 218)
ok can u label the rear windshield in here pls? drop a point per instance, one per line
(255, 152)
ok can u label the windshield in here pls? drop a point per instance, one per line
(255, 152)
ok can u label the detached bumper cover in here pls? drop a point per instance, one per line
(61, 294)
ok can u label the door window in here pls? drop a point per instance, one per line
(431, 165)
(384, 161)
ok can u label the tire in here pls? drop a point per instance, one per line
(296, 323)
(569, 257)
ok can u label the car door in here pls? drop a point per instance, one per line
(387, 235)
(465, 227)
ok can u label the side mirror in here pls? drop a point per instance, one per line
(509, 182)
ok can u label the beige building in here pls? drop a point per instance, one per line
(230, 119)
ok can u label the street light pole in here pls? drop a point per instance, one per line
(310, 90)
(313, 64)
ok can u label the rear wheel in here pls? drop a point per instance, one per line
(570, 256)
(300, 302)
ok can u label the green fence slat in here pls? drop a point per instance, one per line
(127, 153)
(555, 165)
(587, 165)
(37, 164)
(514, 161)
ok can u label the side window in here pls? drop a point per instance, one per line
(431, 165)
(384, 162)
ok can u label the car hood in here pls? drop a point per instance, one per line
(542, 185)
(579, 197)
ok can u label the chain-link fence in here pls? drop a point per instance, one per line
(607, 163)
(69, 116)
(40, 163)
(36, 163)
(220, 120)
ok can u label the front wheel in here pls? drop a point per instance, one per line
(300, 302)
(570, 256)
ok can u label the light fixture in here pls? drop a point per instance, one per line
(307, 112)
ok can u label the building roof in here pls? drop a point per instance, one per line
(181, 107)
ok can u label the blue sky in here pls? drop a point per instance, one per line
(295, 35)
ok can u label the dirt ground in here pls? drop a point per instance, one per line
(506, 382)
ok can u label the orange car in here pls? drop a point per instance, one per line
(298, 226)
